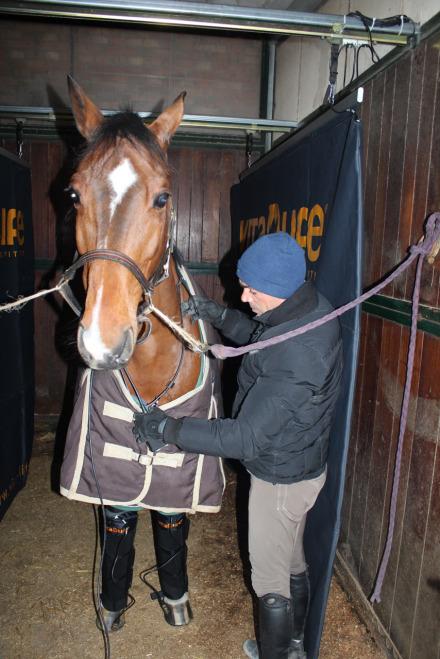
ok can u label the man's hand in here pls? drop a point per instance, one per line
(155, 428)
(202, 307)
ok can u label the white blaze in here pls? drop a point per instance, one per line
(92, 339)
(121, 179)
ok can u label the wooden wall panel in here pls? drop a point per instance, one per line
(377, 91)
(400, 96)
(380, 434)
(366, 414)
(424, 630)
(352, 452)
(427, 130)
(408, 183)
(401, 187)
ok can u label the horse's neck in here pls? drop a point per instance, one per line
(156, 361)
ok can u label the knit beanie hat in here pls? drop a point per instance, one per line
(274, 264)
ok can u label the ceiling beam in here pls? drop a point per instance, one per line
(172, 14)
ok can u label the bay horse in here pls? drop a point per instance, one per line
(124, 232)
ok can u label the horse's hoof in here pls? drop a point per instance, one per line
(250, 649)
(113, 620)
(296, 649)
(177, 612)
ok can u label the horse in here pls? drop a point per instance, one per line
(124, 235)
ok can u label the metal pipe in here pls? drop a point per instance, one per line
(190, 120)
(205, 16)
(270, 96)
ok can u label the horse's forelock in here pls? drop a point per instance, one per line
(126, 125)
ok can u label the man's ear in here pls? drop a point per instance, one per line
(87, 116)
(168, 121)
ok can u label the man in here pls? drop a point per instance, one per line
(279, 428)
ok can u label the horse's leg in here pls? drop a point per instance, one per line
(170, 533)
(117, 566)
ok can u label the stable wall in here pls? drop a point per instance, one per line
(122, 66)
(401, 120)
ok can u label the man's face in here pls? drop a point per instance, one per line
(259, 302)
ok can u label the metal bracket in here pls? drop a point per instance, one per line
(19, 136)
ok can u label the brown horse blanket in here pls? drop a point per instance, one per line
(103, 461)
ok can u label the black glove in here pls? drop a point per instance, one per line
(156, 428)
(202, 307)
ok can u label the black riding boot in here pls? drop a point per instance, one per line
(300, 594)
(170, 533)
(117, 566)
(275, 622)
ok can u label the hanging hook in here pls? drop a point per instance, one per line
(249, 147)
(19, 136)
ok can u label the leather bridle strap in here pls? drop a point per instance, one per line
(115, 256)
(110, 255)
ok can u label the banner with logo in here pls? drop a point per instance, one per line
(16, 328)
(310, 186)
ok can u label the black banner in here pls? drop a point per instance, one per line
(310, 186)
(16, 328)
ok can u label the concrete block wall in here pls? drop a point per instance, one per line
(129, 65)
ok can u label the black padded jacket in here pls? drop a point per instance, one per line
(286, 393)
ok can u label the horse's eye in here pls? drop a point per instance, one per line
(73, 195)
(161, 200)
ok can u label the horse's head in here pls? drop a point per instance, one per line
(121, 191)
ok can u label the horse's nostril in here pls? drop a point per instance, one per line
(98, 355)
(125, 347)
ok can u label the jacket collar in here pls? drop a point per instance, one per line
(302, 302)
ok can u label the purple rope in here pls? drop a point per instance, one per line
(376, 596)
(432, 234)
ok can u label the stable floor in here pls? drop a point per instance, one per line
(47, 547)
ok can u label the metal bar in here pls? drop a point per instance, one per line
(270, 97)
(305, 126)
(204, 16)
(194, 120)
(399, 311)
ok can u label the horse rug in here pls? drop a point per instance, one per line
(103, 463)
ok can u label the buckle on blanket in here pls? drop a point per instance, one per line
(145, 459)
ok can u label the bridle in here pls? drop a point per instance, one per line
(147, 284)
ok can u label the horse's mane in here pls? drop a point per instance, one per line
(127, 125)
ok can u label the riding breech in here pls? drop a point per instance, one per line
(277, 517)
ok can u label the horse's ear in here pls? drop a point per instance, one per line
(87, 116)
(168, 121)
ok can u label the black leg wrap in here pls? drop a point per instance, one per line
(275, 618)
(300, 594)
(170, 533)
(117, 568)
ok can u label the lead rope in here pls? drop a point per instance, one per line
(194, 344)
(427, 246)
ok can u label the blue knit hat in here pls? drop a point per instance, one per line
(273, 264)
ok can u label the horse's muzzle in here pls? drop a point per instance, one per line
(98, 356)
